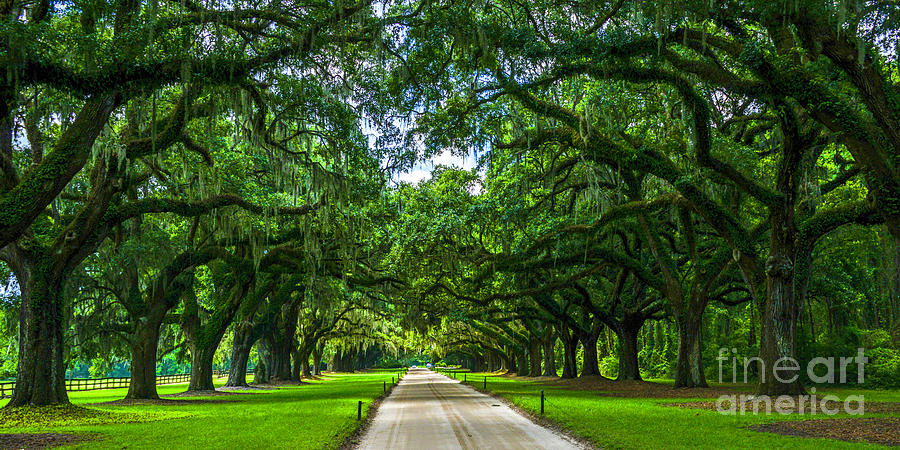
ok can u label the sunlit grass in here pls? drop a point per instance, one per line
(617, 422)
(318, 414)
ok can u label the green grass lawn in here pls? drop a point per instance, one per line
(617, 422)
(316, 415)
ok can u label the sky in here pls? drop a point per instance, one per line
(422, 170)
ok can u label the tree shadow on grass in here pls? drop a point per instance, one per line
(42, 440)
(873, 430)
(159, 402)
(69, 415)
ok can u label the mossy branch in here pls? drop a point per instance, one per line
(823, 222)
(196, 208)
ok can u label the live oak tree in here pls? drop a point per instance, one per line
(152, 47)
(647, 173)
(155, 73)
(746, 63)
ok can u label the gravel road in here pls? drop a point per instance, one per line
(430, 411)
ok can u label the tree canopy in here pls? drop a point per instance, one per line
(218, 185)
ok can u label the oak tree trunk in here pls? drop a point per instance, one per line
(303, 357)
(343, 361)
(317, 361)
(550, 354)
(689, 366)
(241, 345)
(201, 368)
(534, 358)
(590, 365)
(281, 363)
(41, 372)
(306, 369)
(297, 364)
(570, 349)
(627, 334)
(143, 360)
(522, 364)
(261, 374)
(779, 329)
(277, 357)
(781, 309)
(237, 373)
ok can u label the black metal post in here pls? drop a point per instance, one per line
(359, 410)
(485, 383)
(542, 402)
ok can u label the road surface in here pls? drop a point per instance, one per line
(430, 411)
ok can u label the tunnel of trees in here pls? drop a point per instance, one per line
(233, 185)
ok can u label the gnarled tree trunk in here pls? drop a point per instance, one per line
(781, 309)
(343, 361)
(317, 360)
(261, 374)
(549, 344)
(202, 367)
(41, 372)
(297, 365)
(204, 339)
(280, 366)
(779, 329)
(143, 358)
(522, 364)
(241, 344)
(277, 357)
(570, 352)
(303, 359)
(627, 334)
(590, 365)
(534, 357)
(689, 366)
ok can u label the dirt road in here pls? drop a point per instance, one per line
(430, 411)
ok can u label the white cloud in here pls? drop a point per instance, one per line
(448, 159)
(414, 176)
(422, 171)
